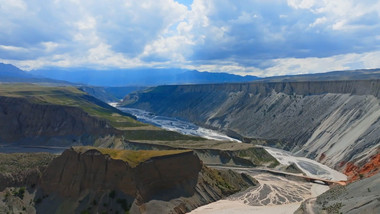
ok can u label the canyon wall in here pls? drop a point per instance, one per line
(334, 122)
(26, 122)
(174, 183)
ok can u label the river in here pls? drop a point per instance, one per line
(275, 194)
(310, 167)
(177, 125)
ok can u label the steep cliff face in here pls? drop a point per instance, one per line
(33, 115)
(359, 197)
(23, 121)
(334, 122)
(167, 183)
(96, 171)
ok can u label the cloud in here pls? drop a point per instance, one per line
(294, 66)
(252, 36)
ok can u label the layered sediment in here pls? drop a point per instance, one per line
(177, 182)
(334, 122)
(361, 196)
(25, 122)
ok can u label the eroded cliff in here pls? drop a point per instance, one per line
(96, 180)
(23, 121)
(33, 115)
(334, 122)
(358, 197)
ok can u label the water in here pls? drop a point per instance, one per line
(309, 167)
(177, 125)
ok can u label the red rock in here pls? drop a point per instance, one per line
(369, 169)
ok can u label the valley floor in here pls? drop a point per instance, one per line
(275, 194)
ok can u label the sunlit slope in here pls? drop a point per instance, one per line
(65, 115)
(334, 122)
(133, 158)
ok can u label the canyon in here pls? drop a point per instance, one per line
(96, 180)
(333, 122)
(229, 149)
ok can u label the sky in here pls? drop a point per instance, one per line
(255, 37)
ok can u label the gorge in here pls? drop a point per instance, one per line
(333, 122)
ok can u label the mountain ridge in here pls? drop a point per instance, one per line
(140, 77)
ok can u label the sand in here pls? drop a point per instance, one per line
(275, 195)
(237, 207)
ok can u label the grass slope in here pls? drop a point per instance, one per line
(71, 96)
(132, 157)
(68, 96)
(21, 162)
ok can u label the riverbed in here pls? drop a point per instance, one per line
(177, 125)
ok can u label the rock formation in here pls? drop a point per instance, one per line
(361, 196)
(22, 169)
(96, 180)
(334, 122)
(47, 124)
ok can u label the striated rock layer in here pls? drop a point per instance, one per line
(48, 124)
(362, 196)
(91, 181)
(334, 122)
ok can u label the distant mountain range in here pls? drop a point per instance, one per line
(361, 74)
(154, 77)
(141, 77)
(10, 73)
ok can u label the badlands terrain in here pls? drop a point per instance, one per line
(265, 147)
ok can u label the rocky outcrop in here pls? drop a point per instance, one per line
(367, 168)
(251, 157)
(22, 169)
(24, 121)
(26, 178)
(98, 172)
(173, 183)
(361, 196)
(334, 122)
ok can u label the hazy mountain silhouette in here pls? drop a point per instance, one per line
(143, 77)
(10, 73)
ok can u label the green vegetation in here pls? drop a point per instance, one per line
(6, 196)
(334, 208)
(38, 200)
(123, 203)
(218, 179)
(20, 162)
(112, 194)
(258, 156)
(69, 96)
(133, 158)
(73, 97)
(19, 192)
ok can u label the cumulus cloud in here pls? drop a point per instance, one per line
(257, 37)
(293, 66)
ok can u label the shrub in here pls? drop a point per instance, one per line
(20, 193)
(123, 203)
(112, 194)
